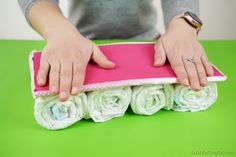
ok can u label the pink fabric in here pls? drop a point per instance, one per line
(133, 61)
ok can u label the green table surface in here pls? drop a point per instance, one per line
(166, 133)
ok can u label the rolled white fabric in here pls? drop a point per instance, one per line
(188, 100)
(53, 115)
(106, 104)
(149, 99)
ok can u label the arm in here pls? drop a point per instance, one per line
(172, 8)
(67, 52)
(179, 43)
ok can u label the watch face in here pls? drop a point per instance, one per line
(194, 17)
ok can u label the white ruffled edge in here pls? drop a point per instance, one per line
(112, 84)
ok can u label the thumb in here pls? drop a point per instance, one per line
(101, 59)
(160, 55)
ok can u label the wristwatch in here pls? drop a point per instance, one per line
(192, 20)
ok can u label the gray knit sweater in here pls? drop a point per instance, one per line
(120, 19)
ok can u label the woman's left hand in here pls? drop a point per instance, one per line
(186, 55)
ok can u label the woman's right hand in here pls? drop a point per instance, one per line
(64, 61)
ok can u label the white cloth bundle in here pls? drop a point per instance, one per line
(188, 100)
(53, 115)
(103, 105)
(106, 104)
(149, 99)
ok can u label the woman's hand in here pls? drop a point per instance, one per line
(67, 52)
(185, 54)
(64, 60)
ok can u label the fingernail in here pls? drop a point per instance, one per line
(53, 89)
(113, 64)
(185, 82)
(40, 81)
(197, 86)
(204, 80)
(75, 90)
(212, 73)
(63, 94)
(157, 61)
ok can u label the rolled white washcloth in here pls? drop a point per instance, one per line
(106, 104)
(53, 115)
(188, 100)
(149, 99)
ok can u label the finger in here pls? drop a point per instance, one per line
(65, 80)
(101, 59)
(207, 65)
(160, 55)
(43, 72)
(78, 78)
(178, 67)
(201, 72)
(192, 75)
(54, 77)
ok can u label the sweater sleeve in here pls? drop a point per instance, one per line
(175, 7)
(25, 6)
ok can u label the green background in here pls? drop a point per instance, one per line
(166, 133)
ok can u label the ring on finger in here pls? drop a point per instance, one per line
(191, 60)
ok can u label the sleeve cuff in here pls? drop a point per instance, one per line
(171, 8)
(27, 4)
